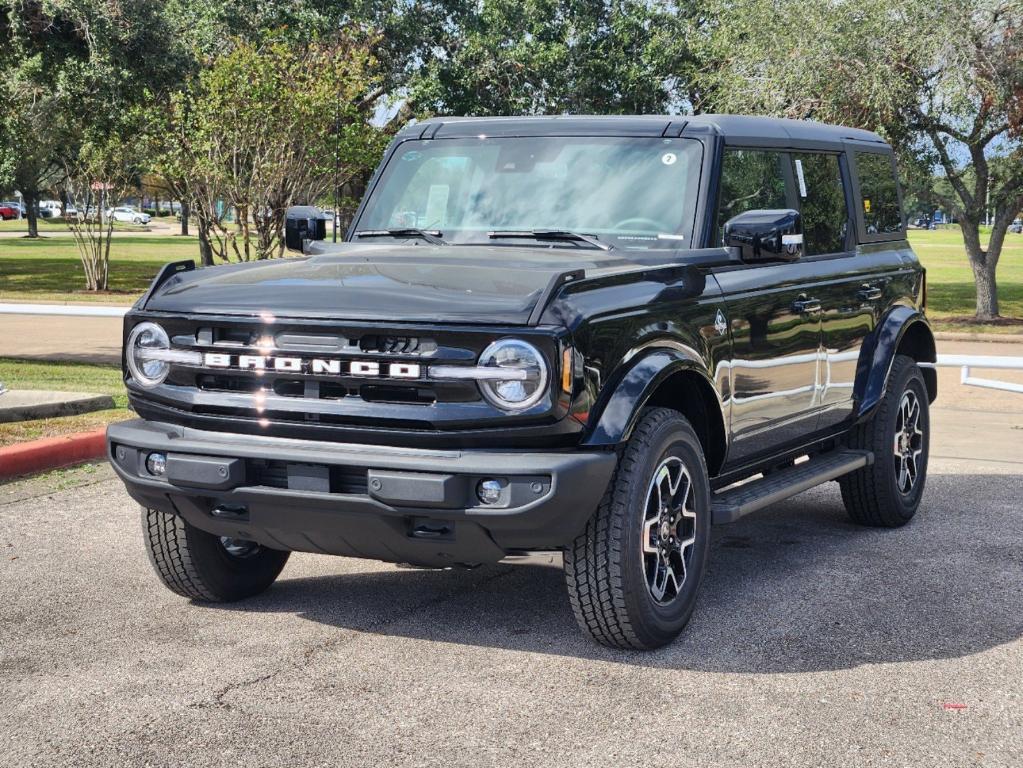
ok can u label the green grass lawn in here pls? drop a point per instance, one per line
(49, 269)
(951, 297)
(62, 377)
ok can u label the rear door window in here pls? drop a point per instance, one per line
(821, 202)
(752, 179)
(879, 193)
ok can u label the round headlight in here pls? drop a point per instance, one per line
(147, 368)
(527, 374)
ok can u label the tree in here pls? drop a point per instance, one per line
(508, 57)
(256, 150)
(34, 121)
(943, 81)
(72, 69)
(101, 173)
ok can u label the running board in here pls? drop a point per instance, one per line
(728, 506)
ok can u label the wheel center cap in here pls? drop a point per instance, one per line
(665, 530)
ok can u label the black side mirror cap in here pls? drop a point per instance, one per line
(301, 223)
(767, 235)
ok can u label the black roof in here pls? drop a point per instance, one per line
(735, 129)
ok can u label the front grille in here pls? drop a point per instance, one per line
(393, 365)
(283, 374)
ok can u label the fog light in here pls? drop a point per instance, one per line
(489, 491)
(156, 463)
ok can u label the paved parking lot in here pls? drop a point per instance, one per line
(815, 643)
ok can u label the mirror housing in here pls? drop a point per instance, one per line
(768, 235)
(301, 223)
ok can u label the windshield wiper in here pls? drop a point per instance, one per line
(433, 238)
(551, 234)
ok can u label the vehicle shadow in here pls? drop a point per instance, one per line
(796, 588)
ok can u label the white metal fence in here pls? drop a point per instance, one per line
(992, 362)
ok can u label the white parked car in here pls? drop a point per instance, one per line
(49, 209)
(127, 213)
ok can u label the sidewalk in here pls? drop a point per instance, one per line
(157, 227)
(76, 339)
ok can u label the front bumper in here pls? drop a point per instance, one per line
(395, 504)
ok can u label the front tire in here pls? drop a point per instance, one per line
(633, 574)
(887, 493)
(201, 566)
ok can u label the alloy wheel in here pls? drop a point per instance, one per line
(909, 442)
(669, 530)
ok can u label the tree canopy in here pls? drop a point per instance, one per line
(943, 81)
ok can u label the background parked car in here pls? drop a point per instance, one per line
(7, 212)
(128, 213)
(14, 204)
(50, 209)
(1016, 226)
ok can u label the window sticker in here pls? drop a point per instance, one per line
(669, 158)
(802, 181)
(437, 205)
(866, 205)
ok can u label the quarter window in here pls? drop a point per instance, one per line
(821, 202)
(751, 180)
(879, 195)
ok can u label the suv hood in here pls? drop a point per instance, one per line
(415, 283)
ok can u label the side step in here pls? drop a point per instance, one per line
(728, 506)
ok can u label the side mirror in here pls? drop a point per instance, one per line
(301, 223)
(775, 235)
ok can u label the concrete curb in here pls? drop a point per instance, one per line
(994, 338)
(51, 453)
(31, 404)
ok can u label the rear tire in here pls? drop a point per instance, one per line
(201, 566)
(634, 572)
(887, 493)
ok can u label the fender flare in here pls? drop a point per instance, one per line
(619, 412)
(879, 352)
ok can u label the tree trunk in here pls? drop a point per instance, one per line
(30, 201)
(184, 218)
(103, 282)
(987, 290)
(205, 249)
(983, 263)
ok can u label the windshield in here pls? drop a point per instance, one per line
(632, 193)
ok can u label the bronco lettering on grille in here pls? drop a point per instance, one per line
(315, 365)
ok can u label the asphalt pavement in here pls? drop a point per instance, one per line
(815, 643)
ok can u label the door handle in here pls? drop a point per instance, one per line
(869, 293)
(806, 306)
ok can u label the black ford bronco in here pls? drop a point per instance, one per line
(598, 336)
